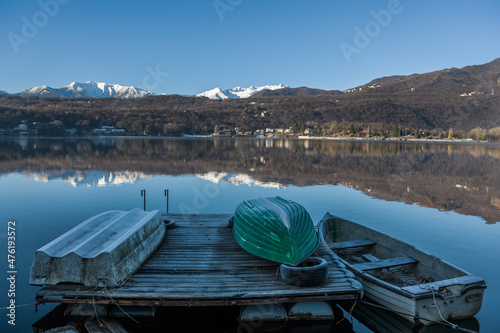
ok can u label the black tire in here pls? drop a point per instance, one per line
(311, 272)
(169, 224)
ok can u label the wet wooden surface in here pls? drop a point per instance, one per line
(199, 263)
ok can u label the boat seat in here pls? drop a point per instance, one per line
(352, 243)
(369, 257)
(386, 263)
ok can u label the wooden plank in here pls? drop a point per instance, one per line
(369, 257)
(215, 276)
(196, 302)
(113, 325)
(169, 293)
(199, 263)
(352, 243)
(386, 263)
(191, 288)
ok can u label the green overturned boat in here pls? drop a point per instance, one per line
(275, 229)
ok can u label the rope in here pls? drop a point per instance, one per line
(454, 326)
(95, 311)
(277, 271)
(105, 290)
(78, 290)
(349, 313)
(447, 323)
(18, 306)
(437, 307)
(119, 307)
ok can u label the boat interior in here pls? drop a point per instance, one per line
(384, 257)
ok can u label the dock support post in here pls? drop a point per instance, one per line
(143, 194)
(166, 194)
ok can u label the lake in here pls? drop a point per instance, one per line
(443, 198)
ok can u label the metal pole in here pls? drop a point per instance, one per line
(143, 194)
(166, 194)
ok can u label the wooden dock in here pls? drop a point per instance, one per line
(200, 264)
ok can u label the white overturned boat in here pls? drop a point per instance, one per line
(102, 251)
(406, 280)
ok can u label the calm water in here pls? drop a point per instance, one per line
(443, 198)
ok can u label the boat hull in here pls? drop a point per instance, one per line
(104, 250)
(384, 321)
(451, 295)
(275, 229)
(457, 307)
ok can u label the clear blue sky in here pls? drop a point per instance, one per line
(239, 43)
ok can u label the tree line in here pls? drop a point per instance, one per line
(341, 114)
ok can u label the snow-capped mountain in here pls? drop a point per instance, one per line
(238, 92)
(89, 178)
(237, 179)
(94, 89)
(88, 89)
(3, 92)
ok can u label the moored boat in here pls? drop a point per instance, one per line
(104, 250)
(415, 284)
(275, 229)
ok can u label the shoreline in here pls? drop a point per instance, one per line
(400, 139)
(300, 137)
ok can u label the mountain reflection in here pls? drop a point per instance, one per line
(459, 177)
(88, 178)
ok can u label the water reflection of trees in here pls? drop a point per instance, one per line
(464, 178)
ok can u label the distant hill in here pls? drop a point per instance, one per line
(481, 78)
(301, 91)
(461, 99)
